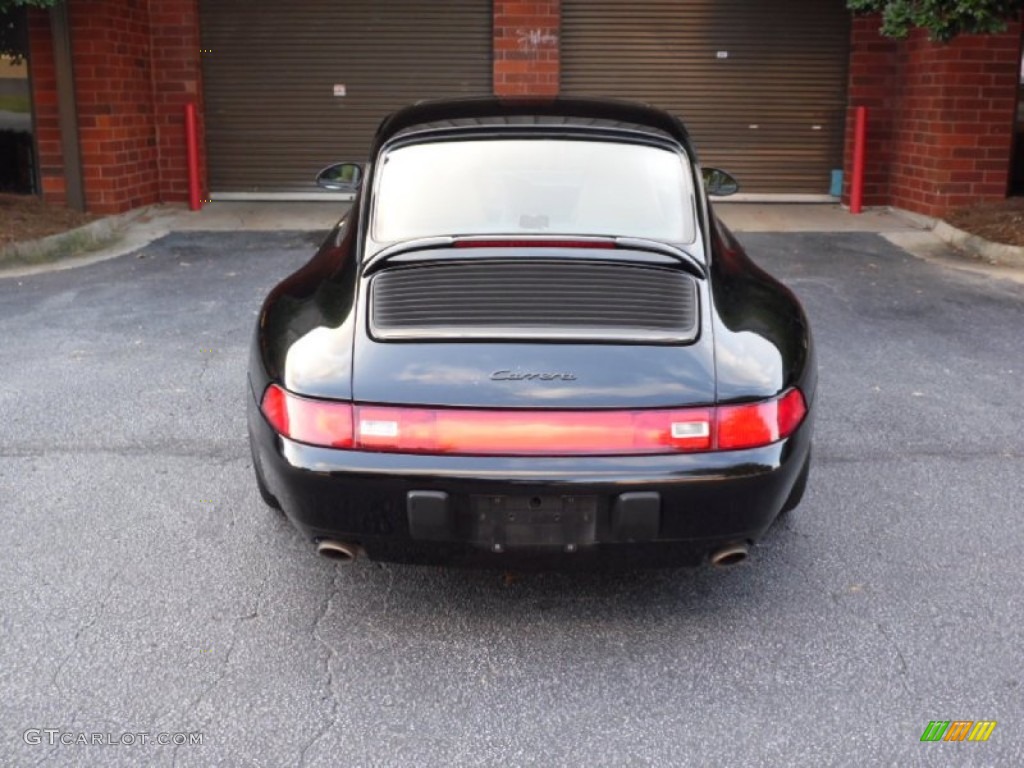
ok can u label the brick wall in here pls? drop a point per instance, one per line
(874, 68)
(940, 128)
(136, 62)
(44, 103)
(177, 80)
(114, 90)
(941, 117)
(526, 47)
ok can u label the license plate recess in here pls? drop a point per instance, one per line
(512, 522)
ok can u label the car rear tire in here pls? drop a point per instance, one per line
(797, 494)
(268, 498)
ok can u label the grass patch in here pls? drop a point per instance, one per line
(999, 221)
(15, 103)
(74, 244)
(24, 218)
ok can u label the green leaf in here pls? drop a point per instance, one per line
(943, 19)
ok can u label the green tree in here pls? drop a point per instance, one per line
(944, 19)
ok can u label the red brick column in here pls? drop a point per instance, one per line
(526, 47)
(941, 116)
(177, 79)
(874, 83)
(954, 140)
(114, 90)
(136, 62)
(44, 103)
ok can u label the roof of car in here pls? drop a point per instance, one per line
(520, 112)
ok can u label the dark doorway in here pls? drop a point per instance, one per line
(1017, 171)
(17, 150)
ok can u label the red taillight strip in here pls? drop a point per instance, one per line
(525, 433)
(319, 422)
(526, 243)
(754, 424)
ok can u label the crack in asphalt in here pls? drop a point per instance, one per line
(260, 592)
(325, 607)
(903, 670)
(86, 626)
(47, 757)
(875, 456)
(204, 368)
(253, 614)
(165, 450)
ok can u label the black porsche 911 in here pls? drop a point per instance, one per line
(530, 343)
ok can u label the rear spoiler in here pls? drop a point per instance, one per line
(540, 246)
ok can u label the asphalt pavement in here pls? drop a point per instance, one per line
(144, 589)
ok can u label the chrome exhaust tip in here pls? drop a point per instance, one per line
(339, 551)
(733, 554)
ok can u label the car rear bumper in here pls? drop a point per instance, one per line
(499, 511)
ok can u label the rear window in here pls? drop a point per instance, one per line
(533, 186)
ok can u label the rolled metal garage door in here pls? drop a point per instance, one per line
(761, 84)
(292, 86)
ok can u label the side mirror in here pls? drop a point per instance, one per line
(719, 183)
(341, 177)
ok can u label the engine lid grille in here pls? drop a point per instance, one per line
(538, 299)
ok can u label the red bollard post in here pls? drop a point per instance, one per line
(192, 157)
(860, 137)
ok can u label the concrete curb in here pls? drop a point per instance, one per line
(993, 253)
(90, 237)
(125, 233)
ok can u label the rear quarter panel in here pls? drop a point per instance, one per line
(304, 332)
(763, 341)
